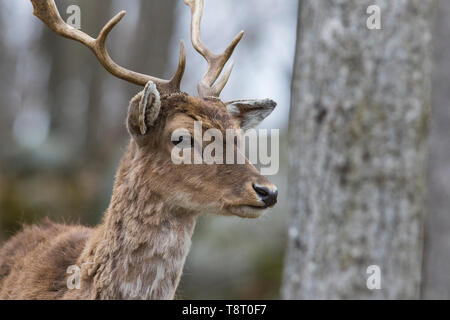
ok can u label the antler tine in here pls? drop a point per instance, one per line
(47, 12)
(215, 62)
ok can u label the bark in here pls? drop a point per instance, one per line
(358, 132)
(436, 280)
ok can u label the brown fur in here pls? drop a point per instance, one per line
(139, 249)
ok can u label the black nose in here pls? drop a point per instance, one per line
(268, 196)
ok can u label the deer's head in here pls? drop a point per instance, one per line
(161, 109)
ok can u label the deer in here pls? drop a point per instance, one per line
(139, 248)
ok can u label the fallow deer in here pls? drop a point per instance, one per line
(139, 249)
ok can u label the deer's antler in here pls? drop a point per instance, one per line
(46, 11)
(216, 62)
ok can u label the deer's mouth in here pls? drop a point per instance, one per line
(247, 211)
(258, 207)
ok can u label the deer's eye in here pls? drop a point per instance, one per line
(180, 139)
(184, 142)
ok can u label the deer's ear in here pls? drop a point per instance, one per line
(143, 110)
(250, 113)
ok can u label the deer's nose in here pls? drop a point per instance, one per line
(266, 194)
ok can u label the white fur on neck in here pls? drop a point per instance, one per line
(159, 268)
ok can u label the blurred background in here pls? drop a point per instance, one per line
(62, 134)
(62, 117)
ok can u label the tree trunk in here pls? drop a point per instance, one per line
(436, 279)
(358, 133)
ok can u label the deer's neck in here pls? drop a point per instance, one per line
(139, 250)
